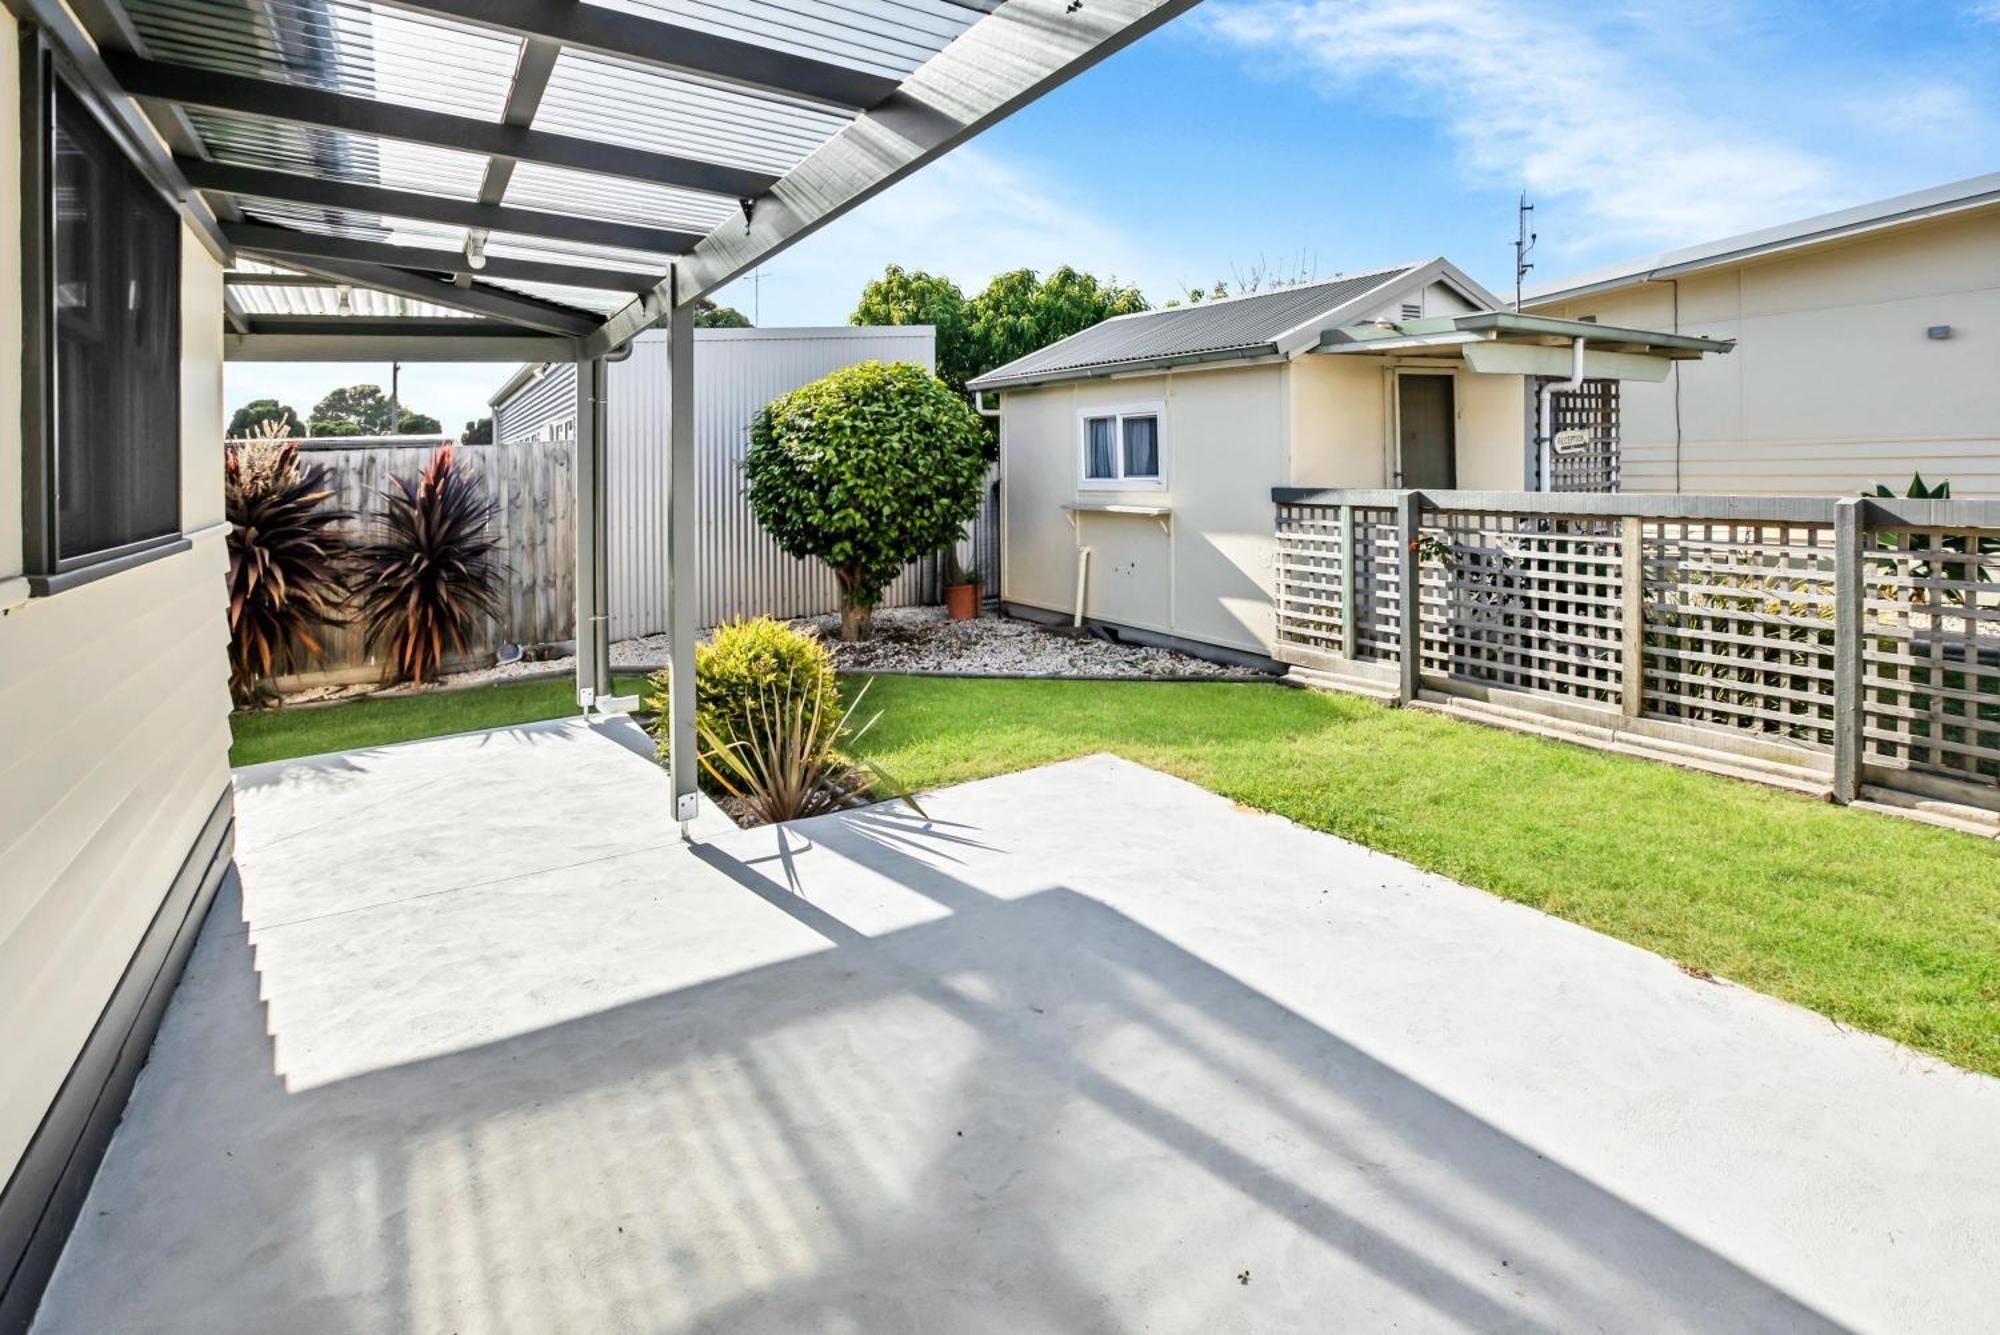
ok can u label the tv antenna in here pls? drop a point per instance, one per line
(1524, 245)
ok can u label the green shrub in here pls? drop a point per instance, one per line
(744, 663)
(866, 469)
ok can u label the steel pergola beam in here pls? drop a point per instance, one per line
(185, 85)
(517, 310)
(286, 243)
(1022, 50)
(292, 188)
(670, 46)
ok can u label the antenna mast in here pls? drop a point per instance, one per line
(1524, 245)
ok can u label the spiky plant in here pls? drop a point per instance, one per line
(286, 549)
(427, 573)
(782, 757)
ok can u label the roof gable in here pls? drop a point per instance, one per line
(1261, 324)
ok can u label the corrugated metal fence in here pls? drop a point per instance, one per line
(741, 571)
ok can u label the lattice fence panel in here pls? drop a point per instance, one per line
(1525, 602)
(1310, 565)
(1739, 626)
(1931, 653)
(1591, 467)
(1378, 586)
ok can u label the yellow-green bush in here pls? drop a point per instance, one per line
(744, 664)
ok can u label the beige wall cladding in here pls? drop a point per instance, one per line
(1833, 385)
(114, 705)
(1224, 435)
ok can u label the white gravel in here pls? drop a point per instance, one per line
(926, 639)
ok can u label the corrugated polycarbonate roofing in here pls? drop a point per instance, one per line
(1237, 324)
(617, 101)
(364, 50)
(542, 164)
(358, 159)
(397, 56)
(889, 37)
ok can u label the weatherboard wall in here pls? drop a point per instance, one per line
(1835, 384)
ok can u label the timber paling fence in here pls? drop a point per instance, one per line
(1854, 639)
(532, 483)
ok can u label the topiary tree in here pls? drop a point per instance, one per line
(866, 469)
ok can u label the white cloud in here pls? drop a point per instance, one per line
(968, 216)
(1532, 95)
(1921, 109)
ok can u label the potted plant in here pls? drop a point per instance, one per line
(963, 586)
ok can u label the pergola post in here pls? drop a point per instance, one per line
(682, 586)
(593, 583)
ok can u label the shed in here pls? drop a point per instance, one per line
(1138, 456)
(741, 571)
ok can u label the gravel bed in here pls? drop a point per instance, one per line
(926, 639)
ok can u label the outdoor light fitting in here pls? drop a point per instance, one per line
(475, 248)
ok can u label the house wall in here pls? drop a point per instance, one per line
(114, 709)
(1225, 433)
(1341, 434)
(1833, 385)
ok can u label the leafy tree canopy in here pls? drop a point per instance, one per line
(364, 407)
(1019, 313)
(911, 296)
(418, 424)
(259, 411)
(708, 315)
(479, 432)
(866, 469)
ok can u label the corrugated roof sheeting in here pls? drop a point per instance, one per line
(889, 37)
(362, 225)
(309, 150)
(600, 97)
(339, 46)
(1188, 331)
(366, 303)
(537, 185)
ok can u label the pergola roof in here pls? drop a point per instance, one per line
(545, 169)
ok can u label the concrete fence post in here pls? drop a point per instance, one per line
(1632, 604)
(1349, 632)
(1410, 608)
(1849, 618)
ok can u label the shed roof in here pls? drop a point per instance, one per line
(1896, 211)
(1232, 328)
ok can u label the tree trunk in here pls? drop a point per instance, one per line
(853, 621)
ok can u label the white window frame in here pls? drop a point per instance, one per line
(1156, 410)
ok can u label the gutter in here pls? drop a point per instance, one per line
(1249, 354)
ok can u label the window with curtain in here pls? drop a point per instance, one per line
(1122, 449)
(1099, 461)
(1142, 446)
(115, 289)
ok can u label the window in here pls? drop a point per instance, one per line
(1121, 448)
(105, 464)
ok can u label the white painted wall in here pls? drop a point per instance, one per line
(114, 709)
(1833, 385)
(1224, 433)
(1231, 434)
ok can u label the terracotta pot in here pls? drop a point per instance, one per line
(962, 600)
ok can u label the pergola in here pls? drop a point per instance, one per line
(541, 180)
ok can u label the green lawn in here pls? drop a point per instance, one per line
(1877, 922)
(278, 734)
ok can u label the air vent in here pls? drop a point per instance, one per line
(1413, 310)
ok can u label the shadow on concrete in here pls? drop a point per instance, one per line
(1026, 1114)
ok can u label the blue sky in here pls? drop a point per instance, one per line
(1329, 135)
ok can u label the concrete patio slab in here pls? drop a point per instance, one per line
(479, 1046)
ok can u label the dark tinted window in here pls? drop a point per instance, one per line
(117, 270)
